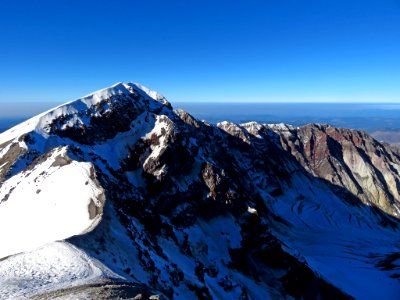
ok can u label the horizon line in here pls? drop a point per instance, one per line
(224, 102)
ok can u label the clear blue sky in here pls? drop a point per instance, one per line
(282, 50)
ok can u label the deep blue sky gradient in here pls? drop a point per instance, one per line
(229, 51)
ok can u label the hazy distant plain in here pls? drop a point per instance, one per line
(369, 116)
(380, 119)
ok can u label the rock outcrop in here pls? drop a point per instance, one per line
(349, 159)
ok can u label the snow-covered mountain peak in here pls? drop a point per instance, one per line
(148, 195)
(152, 94)
(122, 88)
(120, 101)
(116, 89)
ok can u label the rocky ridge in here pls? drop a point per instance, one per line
(349, 159)
(193, 210)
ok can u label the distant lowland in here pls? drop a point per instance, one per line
(12, 114)
(6, 123)
(382, 121)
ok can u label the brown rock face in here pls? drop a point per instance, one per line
(347, 158)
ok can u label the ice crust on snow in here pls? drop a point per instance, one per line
(332, 237)
(54, 266)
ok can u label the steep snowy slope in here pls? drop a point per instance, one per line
(54, 200)
(142, 198)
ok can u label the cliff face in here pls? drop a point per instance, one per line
(189, 210)
(349, 159)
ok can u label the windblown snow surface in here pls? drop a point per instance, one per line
(54, 266)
